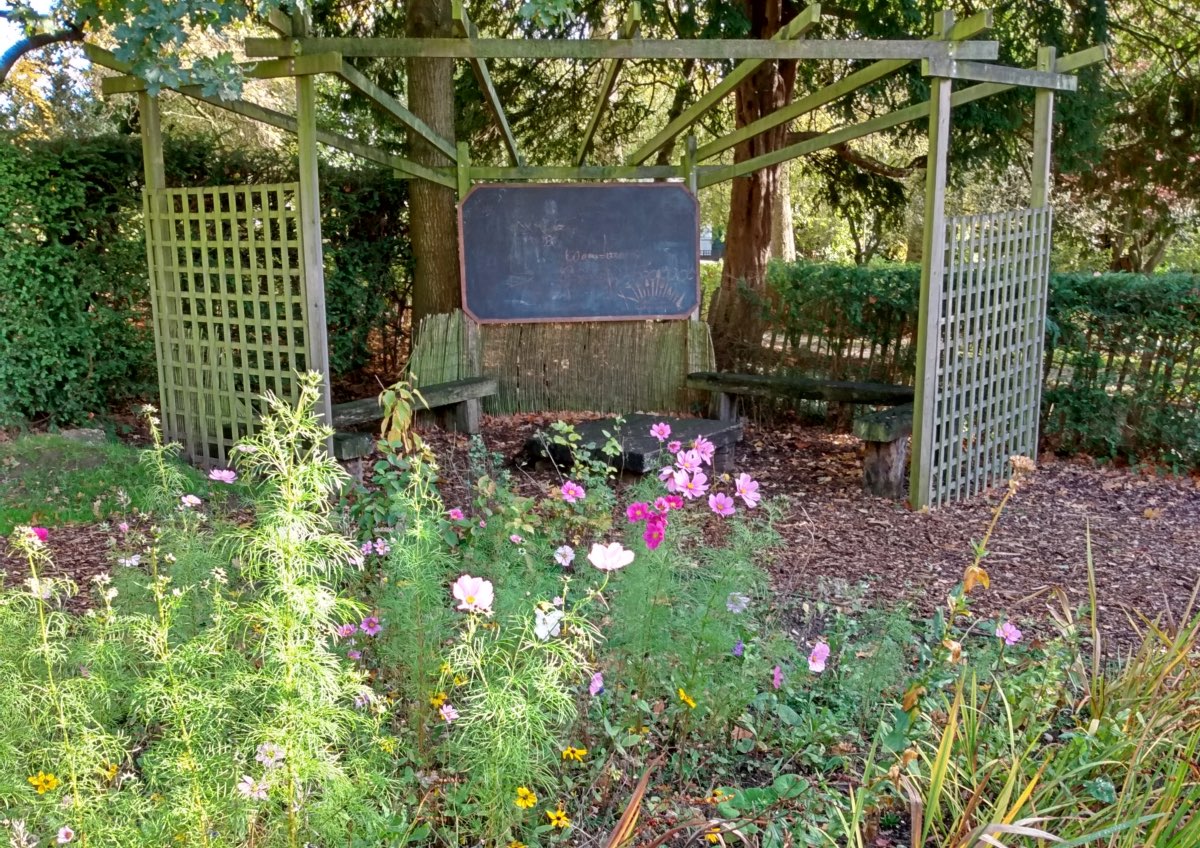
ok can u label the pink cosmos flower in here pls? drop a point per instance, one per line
(818, 657)
(674, 447)
(516, 539)
(346, 630)
(674, 502)
(662, 505)
(661, 431)
(474, 594)
(449, 714)
(371, 626)
(705, 449)
(222, 475)
(41, 533)
(653, 536)
(123, 527)
(777, 677)
(270, 755)
(65, 835)
(747, 490)
(354, 655)
(482, 524)
(694, 486)
(251, 789)
(688, 460)
(596, 687)
(367, 548)
(189, 501)
(456, 514)
(637, 511)
(564, 556)
(572, 492)
(1009, 633)
(610, 557)
(668, 476)
(721, 504)
(382, 548)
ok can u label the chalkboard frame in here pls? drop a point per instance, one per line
(597, 186)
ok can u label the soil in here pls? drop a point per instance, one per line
(1145, 530)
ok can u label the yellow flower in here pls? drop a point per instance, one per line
(572, 753)
(687, 699)
(558, 818)
(446, 669)
(638, 728)
(460, 680)
(387, 744)
(517, 843)
(525, 798)
(713, 835)
(43, 782)
(437, 700)
(110, 771)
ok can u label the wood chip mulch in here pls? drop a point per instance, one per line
(1145, 530)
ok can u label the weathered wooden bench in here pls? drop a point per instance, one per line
(460, 403)
(886, 459)
(726, 388)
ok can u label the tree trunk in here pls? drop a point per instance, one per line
(433, 223)
(737, 313)
(783, 238)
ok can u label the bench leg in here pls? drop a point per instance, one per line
(725, 406)
(468, 416)
(884, 467)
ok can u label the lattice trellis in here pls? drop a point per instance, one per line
(230, 313)
(987, 352)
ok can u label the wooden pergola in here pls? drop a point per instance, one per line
(945, 337)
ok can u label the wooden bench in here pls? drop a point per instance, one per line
(727, 387)
(460, 402)
(886, 460)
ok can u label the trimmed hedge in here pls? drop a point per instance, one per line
(1122, 350)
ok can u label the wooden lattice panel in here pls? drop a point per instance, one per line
(230, 316)
(986, 356)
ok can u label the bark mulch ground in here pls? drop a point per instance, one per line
(1145, 530)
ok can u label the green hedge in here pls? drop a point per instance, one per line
(75, 336)
(1122, 350)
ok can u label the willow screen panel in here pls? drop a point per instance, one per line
(230, 315)
(987, 354)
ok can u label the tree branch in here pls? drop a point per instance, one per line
(862, 160)
(72, 33)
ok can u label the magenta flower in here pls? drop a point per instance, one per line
(354, 655)
(721, 504)
(65, 835)
(370, 625)
(674, 502)
(456, 514)
(674, 447)
(818, 656)
(637, 511)
(516, 539)
(777, 677)
(661, 431)
(610, 557)
(572, 492)
(653, 536)
(449, 714)
(596, 687)
(474, 594)
(688, 461)
(222, 475)
(346, 630)
(1009, 633)
(705, 449)
(662, 505)
(564, 556)
(694, 486)
(42, 533)
(747, 490)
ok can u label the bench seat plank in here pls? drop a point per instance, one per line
(800, 388)
(439, 394)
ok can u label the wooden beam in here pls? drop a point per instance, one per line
(463, 175)
(364, 84)
(969, 28)
(982, 72)
(629, 29)
(317, 63)
(280, 22)
(106, 59)
(795, 28)
(1043, 134)
(573, 172)
(933, 268)
(149, 121)
(595, 48)
(799, 388)
(712, 175)
(484, 78)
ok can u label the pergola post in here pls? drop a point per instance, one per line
(150, 122)
(1043, 132)
(933, 267)
(310, 234)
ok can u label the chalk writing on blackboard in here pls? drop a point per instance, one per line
(595, 252)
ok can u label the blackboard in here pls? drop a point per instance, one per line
(592, 252)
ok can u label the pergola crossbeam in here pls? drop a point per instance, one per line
(364, 84)
(296, 66)
(484, 77)
(1067, 64)
(982, 72)
(972, 26)
(795, 28)
(595, 48)
(629, 29)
